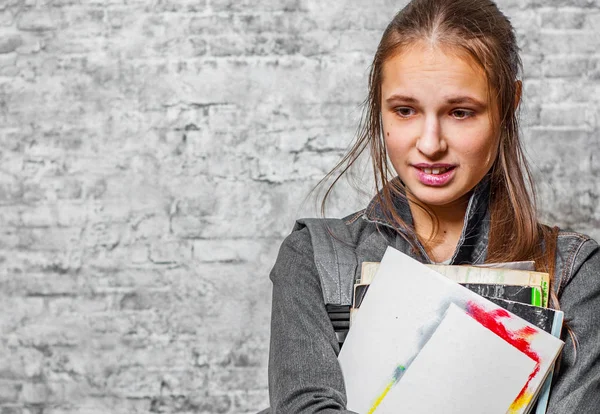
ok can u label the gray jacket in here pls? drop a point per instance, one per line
(304, 374)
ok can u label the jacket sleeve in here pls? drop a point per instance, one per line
(577, 385)
(304, 373)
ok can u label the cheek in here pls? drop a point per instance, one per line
(481, 146)
(397, 137)
(484, 155)
(396, 143)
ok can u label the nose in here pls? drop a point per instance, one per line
(431, 142)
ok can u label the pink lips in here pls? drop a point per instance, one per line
(434, 180)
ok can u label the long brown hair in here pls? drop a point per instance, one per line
(480, 29)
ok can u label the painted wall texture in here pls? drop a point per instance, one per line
(154, 153)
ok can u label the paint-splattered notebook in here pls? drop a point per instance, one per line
(550, 320)
(406, 304)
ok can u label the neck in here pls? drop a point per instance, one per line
(440, 242)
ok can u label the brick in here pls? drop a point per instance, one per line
(106, 235)
(137, 300)
(68, 43)
(525, 19)
(35, 393)
(532, 66)
(251, 401)
(22, 261)
(139, 253)
(127, 278)
(11, 189)
(41, 284)
(592, 19)
(576, 42)
(10, 216)
(573, 197)
(40, 216)
(563, 19)
(578, 116)
(10, 391)
(8, 65)
(69, 213)
(531, 41)
(196, 403)
(187, 118)
(254, 45)
(7, 17)
(63, 391)
(267, 5)
(52, 239)
(199, 46)
(101, 258)
(139, 382)
(11, 409)
(250, 351)
(13, 239)
(55, 3)
(317, 43)
(295, 167)
(179, 6)
(212, 24)
(570, 3)
(84, 21)
(288, 22)
(226, 250)
(170, 252)
(42, 19)
(176, 355)
(576, 91)
(594, 69)
(246, 379)
(21, 363)
(66, 331)
(546, 142)
(16, 309)
(566, 66)
(9, 44)
(75, 306)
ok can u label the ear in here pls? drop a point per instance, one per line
(518, 92)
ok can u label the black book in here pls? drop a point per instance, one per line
(524, 294)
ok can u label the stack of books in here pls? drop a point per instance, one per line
(452, 339)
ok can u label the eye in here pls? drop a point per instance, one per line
(462, 113)
(404, 111)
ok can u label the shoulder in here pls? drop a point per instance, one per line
(574, 252)
(323, 250)
(347, 229)
(313, 234)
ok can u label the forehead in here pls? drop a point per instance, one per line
(446, 68)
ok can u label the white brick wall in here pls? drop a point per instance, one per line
(154, 153)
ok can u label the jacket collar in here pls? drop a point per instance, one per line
(472, 245)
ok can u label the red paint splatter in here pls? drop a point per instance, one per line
(518, 339)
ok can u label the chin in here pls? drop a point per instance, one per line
(440, 200)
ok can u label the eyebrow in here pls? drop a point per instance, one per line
(450, 100)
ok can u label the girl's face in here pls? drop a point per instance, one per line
(437, 123)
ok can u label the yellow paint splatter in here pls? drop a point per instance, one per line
(395, 378)
(381, 397)
(520, 403)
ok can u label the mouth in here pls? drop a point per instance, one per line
(435, 169)
(435, 175)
